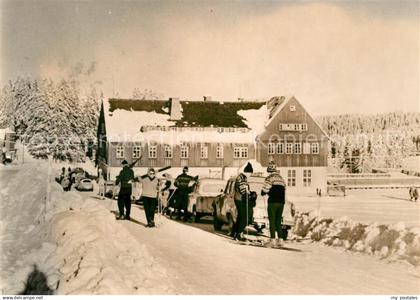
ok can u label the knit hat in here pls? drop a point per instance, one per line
(271, 167)
(124, 162)
(248, 168)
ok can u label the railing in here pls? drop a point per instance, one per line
(190, 128)
(364, 175)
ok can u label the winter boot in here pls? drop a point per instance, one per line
(279, 243)
(241, 237)
(270, 243)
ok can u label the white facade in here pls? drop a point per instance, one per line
(316, 180)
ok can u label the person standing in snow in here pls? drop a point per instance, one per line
(101, 184)
(66, 183)
(241, 198)
(413, 194)
(183, 183)
(124, 179)
(60, 177)
(167, 192)
(136, 193)
(150, 189)
(275, 187)
(71, 176)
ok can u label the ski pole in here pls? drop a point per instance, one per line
(246, 224)
(158, 201)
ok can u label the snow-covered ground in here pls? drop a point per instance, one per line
(385, 206)
(76, 244)
(82, 249)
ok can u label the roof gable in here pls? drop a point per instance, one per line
(282, 116)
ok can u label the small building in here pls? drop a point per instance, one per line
(213, 138)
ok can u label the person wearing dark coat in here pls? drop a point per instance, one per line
(275, 187)
(124, 179)
(241, 198)
(183, 183)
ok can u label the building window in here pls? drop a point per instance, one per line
(286, 127)
(293, 127)
(298, 148)
(152, 151)
(315, 148)
(167, 151)
(184, 151)
(306, 148)
(271, 148)
(204, 152)
(219, 152)
(120, 152)
(291, 177)
(240, 152)
(292, 108)
(136, 151)
(280, 148)
(289, 148)
(307, 177)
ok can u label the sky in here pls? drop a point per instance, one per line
(334, 56)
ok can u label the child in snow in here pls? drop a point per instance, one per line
(136, 193)
(101, 184)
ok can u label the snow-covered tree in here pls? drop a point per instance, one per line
(50, 116)
(148, 94)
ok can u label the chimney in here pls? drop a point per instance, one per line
(175, 109)
(207, 98)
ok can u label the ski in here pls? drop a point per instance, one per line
(263, 244)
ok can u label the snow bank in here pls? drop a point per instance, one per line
(393, 242)
(78, 245)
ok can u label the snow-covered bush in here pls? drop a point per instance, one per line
(385, 241)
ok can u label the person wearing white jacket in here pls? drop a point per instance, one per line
(150, 189)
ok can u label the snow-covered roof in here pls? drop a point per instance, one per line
(256, 166)
(125, 125)
(124, 119)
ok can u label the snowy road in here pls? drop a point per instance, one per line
(205, 263)
(89, 252)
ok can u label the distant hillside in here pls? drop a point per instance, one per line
(360, 143)
(356, 124)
